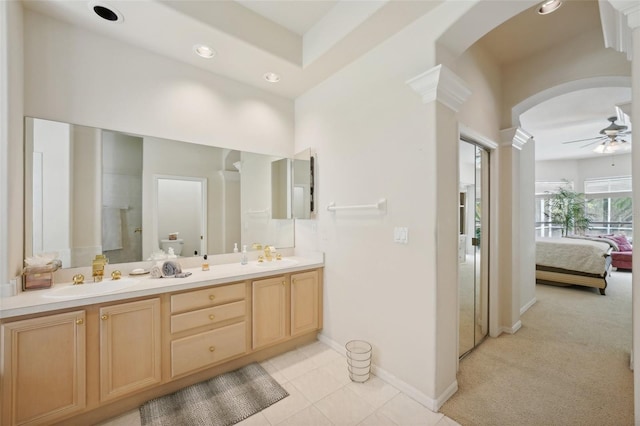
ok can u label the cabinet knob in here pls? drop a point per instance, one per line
(212, 297)
(212, 348)
(80, 321)
(212, 317)
(104, 317)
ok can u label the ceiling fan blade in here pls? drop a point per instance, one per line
(591, 143)
(583, 140)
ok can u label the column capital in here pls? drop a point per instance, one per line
(441, 84)
(618, 19)
(514, 137)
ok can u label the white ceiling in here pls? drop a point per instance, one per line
(305, 41)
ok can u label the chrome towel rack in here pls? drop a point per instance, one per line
(380, 205)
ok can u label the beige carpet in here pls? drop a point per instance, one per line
(567, 365)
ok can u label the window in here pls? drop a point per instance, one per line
(544, 190)
(609, 205)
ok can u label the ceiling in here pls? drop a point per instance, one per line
(577, 115)
(305, 41)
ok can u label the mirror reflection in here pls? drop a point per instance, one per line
(92, 191)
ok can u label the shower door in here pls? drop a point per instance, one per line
(473, 271)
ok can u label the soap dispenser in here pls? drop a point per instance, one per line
(235, 247)
(205, 263)
(243, 259)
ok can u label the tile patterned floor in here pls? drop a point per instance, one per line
(321, 393)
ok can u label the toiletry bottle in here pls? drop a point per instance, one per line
(243, 259)
(205, 264)
(235, 247)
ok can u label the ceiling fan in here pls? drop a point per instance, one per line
(610, 139)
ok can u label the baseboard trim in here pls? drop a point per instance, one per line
(513, 329)
(527, 305)
(432, 404)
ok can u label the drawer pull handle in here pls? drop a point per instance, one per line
(212, 348)
(212, 297)
(212, 317)
(104, 317)
(80, 321)
(283, 283)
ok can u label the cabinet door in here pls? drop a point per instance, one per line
(44, 368)
(304, 302)
(269, 311)
(129, 347)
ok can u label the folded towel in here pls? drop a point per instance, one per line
(156, 271)
(170, 268)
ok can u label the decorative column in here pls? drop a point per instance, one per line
(512, 262)
(444, 93)
(625, 21)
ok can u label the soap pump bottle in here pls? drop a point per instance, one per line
(205, 263)
(235, 247)
(243, 259)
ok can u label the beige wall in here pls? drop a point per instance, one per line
(99, 82)
(11, 140)
(575, 59)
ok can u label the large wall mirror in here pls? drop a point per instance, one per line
(92, 191)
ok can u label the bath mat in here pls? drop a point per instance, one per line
(221, 401)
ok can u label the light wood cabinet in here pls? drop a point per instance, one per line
(130, 351)
(207, 348)
(305, 303)
(43, 376)
(208, 326)
(285, 307)
(270, 309)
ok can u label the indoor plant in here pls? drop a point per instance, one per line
(568, 209)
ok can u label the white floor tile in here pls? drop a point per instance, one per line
(310, 416)
(408, 412)
(446, 421)
(130, 418)
(344, 407)
(316, 384)
(273, 372)
(338, 369)
(257, 419)
(293, 364)
(320, 353)
(377, 419)
(374, 391)
(286, 407)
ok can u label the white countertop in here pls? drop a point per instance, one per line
(39, 301)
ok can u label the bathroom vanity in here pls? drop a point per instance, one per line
(86, 356)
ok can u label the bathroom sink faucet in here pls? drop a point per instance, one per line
(98, 267)
(267, 253)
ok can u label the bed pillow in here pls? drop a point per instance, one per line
(621, 240)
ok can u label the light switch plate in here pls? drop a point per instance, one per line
(401, 235)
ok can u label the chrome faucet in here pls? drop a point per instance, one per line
(98, 267)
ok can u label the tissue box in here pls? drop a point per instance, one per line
(38, 277)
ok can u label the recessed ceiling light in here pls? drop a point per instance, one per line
(549, 6)
(272, 77)
(204, 51)
(106, 12)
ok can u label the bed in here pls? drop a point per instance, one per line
(573, 261)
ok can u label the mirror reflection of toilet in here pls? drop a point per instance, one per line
(176, 245)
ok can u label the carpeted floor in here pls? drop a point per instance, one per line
(567, 365)
(221, 401)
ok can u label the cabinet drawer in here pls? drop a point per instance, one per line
(208, 297)
(204, 349)
(193, 319)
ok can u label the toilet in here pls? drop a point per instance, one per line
(176, 245)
